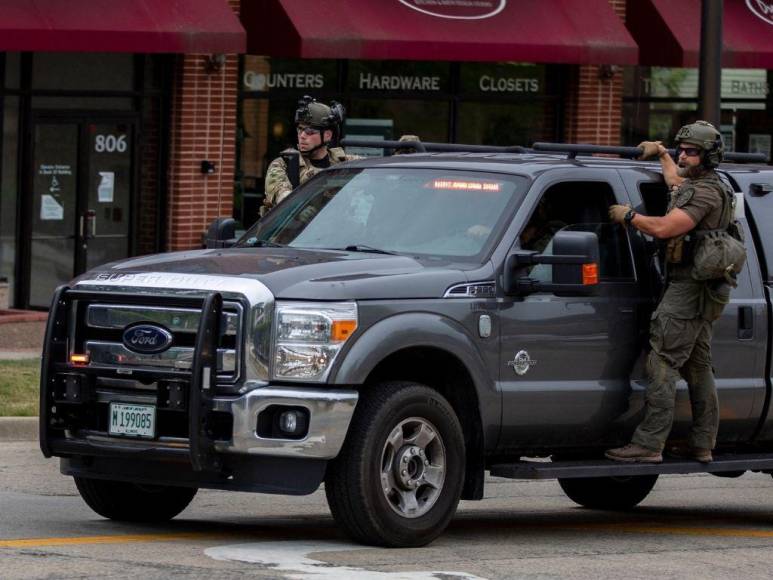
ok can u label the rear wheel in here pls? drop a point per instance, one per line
(399, 476)
(131, 502)
(608, 493)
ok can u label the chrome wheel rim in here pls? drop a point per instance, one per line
(413, 467)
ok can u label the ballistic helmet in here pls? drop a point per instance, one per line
(704, 135)
(319, 115)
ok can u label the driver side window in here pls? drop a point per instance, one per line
(578, 206)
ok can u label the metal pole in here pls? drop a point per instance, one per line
(710, 73)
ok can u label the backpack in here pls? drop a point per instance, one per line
(721, 253)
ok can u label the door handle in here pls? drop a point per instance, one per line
(88, 227)
(745, 322)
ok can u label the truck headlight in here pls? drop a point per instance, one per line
(308, 336)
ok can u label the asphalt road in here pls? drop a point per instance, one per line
(695, 526)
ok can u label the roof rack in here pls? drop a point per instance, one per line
(571, 149)
(424, 147)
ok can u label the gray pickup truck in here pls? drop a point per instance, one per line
(396, 328)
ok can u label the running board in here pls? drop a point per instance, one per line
(535, 469)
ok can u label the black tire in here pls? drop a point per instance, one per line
(609, 493)
(370, 498)
(130, 502)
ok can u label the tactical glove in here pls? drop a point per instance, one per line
(650, 149)
(405, 150)
(617, 213)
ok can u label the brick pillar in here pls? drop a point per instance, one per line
(203, 127)
(594, 100)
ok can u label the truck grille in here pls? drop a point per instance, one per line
(98, 331)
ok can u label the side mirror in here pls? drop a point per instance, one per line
(575, 262)
(221, 233)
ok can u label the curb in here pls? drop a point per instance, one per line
(20, 354)
(18, 428)
(8, 316)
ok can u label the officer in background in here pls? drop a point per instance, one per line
(681, 326)
(318, 127)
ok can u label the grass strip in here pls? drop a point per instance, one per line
(19, 388)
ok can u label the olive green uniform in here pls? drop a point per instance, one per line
(278, 184)
(681, 329)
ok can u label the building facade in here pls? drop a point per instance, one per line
(129, 137)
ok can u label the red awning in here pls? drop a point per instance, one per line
(669, 32)
(183, 26)
(565, 31)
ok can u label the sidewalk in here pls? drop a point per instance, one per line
(21, 339)
(19, 354)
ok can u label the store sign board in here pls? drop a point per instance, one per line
(498, 84)
(457, 9)
(376, 82)
(256, 81)
(683, 83)
(761, 9)
(491, 79)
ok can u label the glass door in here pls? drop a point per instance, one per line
(54, 209)
(107, 203)
(82, 194)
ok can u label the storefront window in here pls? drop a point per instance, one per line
(480, 103)
(507, 103)
(8, 190)
(657, 101)
(389, 119)
(75, 104)
(506, 123)
(83, 103)
(265, 129)
(12, 70)
(60, 71)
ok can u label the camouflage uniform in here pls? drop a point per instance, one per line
(681, 330)
(278, 184)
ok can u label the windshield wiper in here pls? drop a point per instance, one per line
(367, 249)
(266, 244)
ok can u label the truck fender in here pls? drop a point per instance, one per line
(422, 329)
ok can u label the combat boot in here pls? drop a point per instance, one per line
(633, 453)
(687, 452)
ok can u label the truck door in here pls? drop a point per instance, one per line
(738, 348)
(566, 361)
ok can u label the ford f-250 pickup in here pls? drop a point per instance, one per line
(396, 328)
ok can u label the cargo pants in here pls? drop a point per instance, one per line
(680, 337)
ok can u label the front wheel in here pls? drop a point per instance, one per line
(399, 476)
(131, 502)
(609, 493)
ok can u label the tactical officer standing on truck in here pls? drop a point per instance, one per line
(681, 326)
(318, 127)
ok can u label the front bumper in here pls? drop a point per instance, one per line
(245, 463)
(330, 412)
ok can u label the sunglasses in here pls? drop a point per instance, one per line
(689, 151)
(308, 131)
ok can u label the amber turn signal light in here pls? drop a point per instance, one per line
(590, 274)
(342, 329)
(79, 359)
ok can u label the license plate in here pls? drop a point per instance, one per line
(132, 420)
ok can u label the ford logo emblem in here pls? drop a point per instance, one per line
(147, 338)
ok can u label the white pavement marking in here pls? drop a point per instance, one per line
(291, 557)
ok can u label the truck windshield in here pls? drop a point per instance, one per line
(419, 212)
